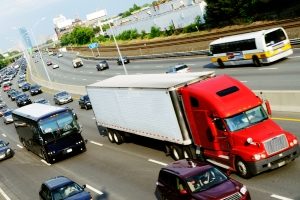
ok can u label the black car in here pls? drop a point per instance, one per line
(5, 150)
(35, 89)
(84, 102)
(10, 91)
(125, 60)
(14, 94)
(102, 65)
(62, 187)
(26, 87)
(23, 100)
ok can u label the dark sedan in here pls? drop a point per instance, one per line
(23, 100)
(102, 65)
(26, 87)
(14, 94)
(5, 150)
(125, 60)
(35, 89)
(84, 102)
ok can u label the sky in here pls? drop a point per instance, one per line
(37, 15)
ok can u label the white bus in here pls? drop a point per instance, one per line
(261, 47)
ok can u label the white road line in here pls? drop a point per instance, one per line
(91, 72)
(94, 118)
(294, 57)
(21, 147)
(3, 135)
(84, 79)
(96, 143)
(280, 197)
(4, 195)
(43, 161)
(94, 190)
(73, 78)
(190, 64)
(244, 81)
(267, 68)
(159, 66)
(157, 162)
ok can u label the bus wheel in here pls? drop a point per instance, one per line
(45, 156)
(118, 137)
(24, 144)
(220, 63)
(110, 135)
(242, 168)
(256, 61)
(176, 152)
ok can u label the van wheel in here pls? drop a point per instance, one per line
(176, 152)
(110, 135)
(119, 138)
(256, 61)
(242, 168)
(220, 63)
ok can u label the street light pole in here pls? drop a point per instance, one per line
(37, 45)
(113, 34)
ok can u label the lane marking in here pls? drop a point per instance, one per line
(267, 68)
(3, 135)
(286, 119)
(157, 162)
(43, 161)
(4, 195)
(244, 81)
(96, 143)
(84, 79)
(280, 197)
(94, 190)
(21, 147)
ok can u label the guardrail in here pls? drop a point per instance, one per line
(295, 41)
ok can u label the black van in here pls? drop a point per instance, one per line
(48, 131)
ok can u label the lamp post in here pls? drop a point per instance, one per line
(119, 52)
(37, 45)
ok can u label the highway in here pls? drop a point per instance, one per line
(130, 170)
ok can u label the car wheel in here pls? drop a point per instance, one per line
(86, 107)
(45, 156)
(242, 168)
(221, 64)
(256, 61)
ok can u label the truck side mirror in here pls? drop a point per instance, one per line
(268, 107)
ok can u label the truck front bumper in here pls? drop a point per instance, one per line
(275, 161)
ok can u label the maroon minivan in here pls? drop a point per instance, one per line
(191, 179)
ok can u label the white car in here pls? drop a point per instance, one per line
(60, 55)
(55, 66)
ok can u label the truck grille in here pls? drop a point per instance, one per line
(235, 196)
(276, 144)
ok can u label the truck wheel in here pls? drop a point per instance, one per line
(189, 152)
(242, 168)
(118, 138)
(176, 152)
(24, 144)
(110, 135)
(45, 156)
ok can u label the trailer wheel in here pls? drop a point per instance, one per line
(118, 137)
(110, 135)
(24, 144)
(189, 152)
(242, 168)
(176, 152)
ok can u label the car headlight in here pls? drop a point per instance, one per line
(243, 190)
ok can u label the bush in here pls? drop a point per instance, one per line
(155, 32)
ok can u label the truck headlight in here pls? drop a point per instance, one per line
(295, 141)
(243, 190)
(259, 156)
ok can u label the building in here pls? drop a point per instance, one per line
(26, 39)
(62, 25)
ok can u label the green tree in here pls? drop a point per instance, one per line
(155, 32)
(82, 35)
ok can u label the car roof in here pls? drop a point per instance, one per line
(57, 182)
(187, 167)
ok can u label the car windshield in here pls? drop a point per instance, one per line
(58, 125)
(246, 119)
(206, 180)
(22, 96)
(34, 86)
(7, 114)
(62, 94)
(66, 191)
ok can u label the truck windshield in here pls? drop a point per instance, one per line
(58, 126)
(246, 119)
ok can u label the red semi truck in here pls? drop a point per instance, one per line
(196, 115)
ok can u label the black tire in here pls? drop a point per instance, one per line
(110, 135)
(45, 156)
(118, 137)
(24, 144)
(242, 169)
(86, 107)
(256, 61)
(220, 63)
(189, 152)
(176, 152)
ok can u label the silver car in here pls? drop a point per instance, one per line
(62, 97)
(7, 117)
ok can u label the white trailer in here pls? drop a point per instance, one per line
(145, 105)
